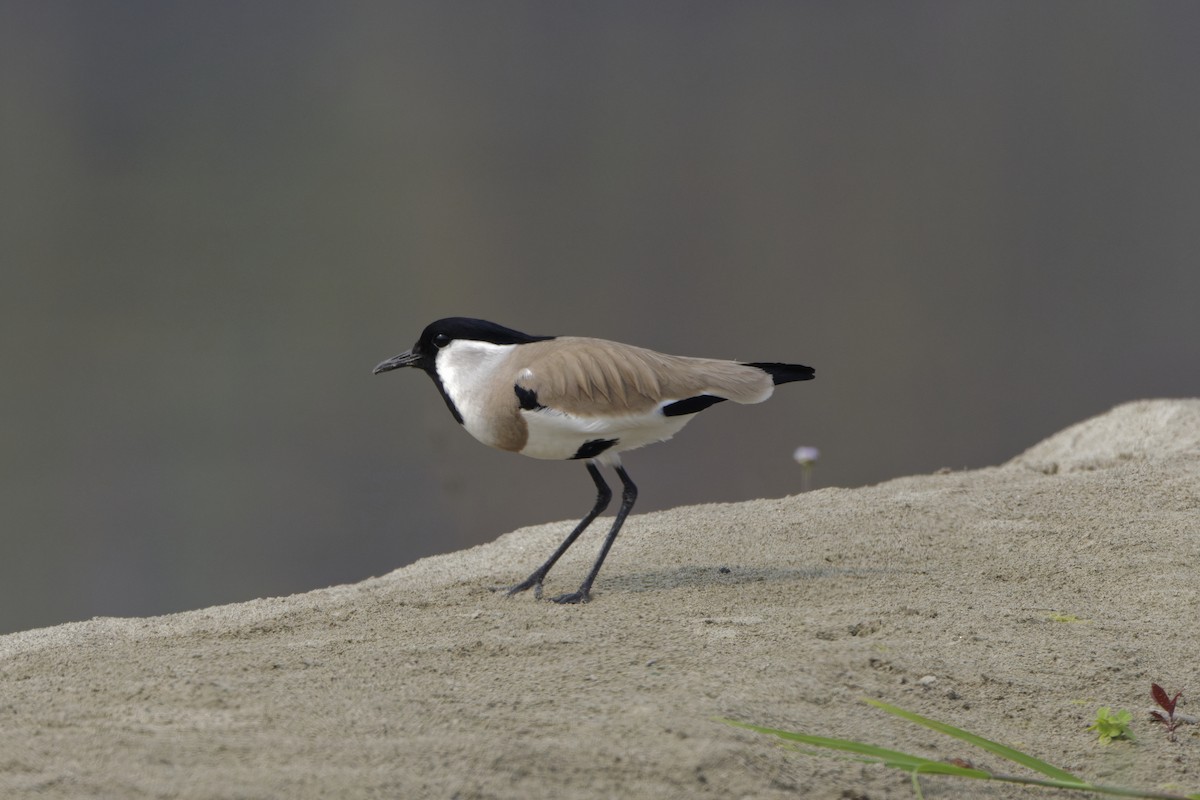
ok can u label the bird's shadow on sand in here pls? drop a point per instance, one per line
(708, 575)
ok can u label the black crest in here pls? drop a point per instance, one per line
(441, 333)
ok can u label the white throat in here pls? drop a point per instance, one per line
(467, 369)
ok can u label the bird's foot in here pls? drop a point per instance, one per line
(532, 582)
(582, 596)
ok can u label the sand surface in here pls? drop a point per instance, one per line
(1012, 601)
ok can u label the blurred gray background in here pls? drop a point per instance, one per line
(978, 221)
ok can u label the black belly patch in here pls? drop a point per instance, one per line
(692, 405)
(527, 398)
(593, 448)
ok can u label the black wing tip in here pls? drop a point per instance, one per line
(692, 405)
(785, 373)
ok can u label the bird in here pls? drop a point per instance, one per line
(576, 398)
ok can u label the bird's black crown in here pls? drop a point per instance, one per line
(439, 334)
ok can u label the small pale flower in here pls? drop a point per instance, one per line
(806, 455)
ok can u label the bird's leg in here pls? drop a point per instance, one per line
(628, 496)
(603, 497)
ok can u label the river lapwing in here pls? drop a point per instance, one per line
(576, 398)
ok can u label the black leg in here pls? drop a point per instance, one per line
(628, 496)
(603, 496)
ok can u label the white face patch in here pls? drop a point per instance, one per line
(467, 368)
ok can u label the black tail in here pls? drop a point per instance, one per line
(785, 373)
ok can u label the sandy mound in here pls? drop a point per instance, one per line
(1011, 601)
(1157, 429)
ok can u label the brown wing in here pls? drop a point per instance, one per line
(585, 377)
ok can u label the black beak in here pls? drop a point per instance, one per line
(408, 359)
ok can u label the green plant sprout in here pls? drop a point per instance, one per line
(1111, 726)
(916, 766)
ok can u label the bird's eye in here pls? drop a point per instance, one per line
(441, 340)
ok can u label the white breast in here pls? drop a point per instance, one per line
(468, 370)
(555, 435)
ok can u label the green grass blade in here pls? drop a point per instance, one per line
(1035, 764)
(916, 765)
(881, 755)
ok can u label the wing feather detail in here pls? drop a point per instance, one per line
(586, 377)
